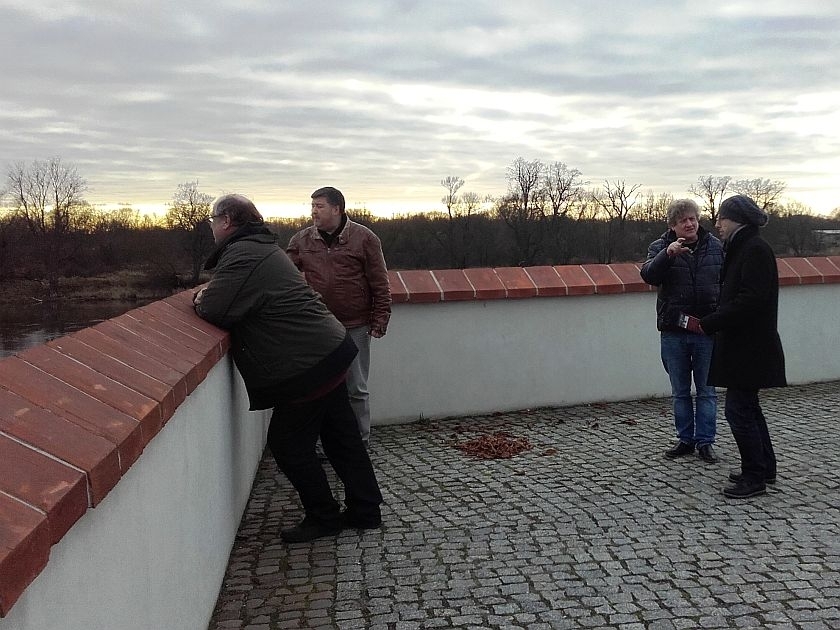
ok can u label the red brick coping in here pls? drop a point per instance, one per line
(77, 412)
(447, 285)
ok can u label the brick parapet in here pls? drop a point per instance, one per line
(77, 412)
(447, 285)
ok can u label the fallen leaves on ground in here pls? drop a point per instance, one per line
(498, 445)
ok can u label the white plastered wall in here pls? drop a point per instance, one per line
(466, 357)
(154, 552)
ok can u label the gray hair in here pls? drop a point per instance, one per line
(678, 208)
(238, 208)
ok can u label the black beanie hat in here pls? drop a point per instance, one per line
(742, 209)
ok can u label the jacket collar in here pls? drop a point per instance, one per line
(249, 229)
(670, 236)
(340, 237)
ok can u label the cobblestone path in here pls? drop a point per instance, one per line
(591, 528)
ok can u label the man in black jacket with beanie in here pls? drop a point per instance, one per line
(748, 353)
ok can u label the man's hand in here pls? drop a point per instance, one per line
(376, 333)
(197, 297)
(690, 323)
(676, 248)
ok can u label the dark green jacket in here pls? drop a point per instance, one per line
(284, 341)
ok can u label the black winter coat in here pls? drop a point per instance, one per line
(748, 352)
(688, 283)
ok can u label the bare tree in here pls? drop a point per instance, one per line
(453, 185)
(460, 212)
(48, 196)
(799, 225)
(521, 207)
(616, 201)
(561, 190)
(449, 236)
(711, 189)
(562, 187)
(766, 193)
(524, 183)
(526, 234)
(469, 206)
(653, 208)
(188, 215)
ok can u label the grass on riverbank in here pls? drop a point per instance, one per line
(123, 286)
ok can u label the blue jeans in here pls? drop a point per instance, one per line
(684, 354)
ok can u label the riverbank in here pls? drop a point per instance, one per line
(121, 286)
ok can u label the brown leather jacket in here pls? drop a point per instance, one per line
(350, 276)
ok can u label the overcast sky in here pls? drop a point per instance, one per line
(383, 99)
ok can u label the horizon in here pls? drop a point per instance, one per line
(388, 209)
(384, 98)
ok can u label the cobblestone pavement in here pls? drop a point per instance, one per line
(592, 528)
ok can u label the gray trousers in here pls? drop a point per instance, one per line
(357, 380)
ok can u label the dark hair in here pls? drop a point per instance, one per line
(238, 208)
(332, 195)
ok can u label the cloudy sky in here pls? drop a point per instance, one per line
(384, 98)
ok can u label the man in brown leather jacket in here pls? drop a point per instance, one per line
(343, 261)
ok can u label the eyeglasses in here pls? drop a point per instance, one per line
(215, 216)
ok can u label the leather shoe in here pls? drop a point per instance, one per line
(355, 521)
(736, 476)
(707, 454)
(743, 490)
(680, 449)
(309, 529)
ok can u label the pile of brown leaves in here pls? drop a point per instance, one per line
(498, 445)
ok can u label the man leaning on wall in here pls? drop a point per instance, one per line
(343, 261)
(293, 355)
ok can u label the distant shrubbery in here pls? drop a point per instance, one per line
(56, 244)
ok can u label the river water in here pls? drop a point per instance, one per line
(30, 324)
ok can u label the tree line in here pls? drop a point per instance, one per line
(548, 215)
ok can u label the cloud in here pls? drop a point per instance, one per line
(385, 98)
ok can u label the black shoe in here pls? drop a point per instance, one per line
(707, 454)
(355, 521)
(743, 490)
(736, 476)
(309, 529)
(680, 449)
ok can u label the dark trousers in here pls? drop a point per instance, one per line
(292, 434)
(749, 428)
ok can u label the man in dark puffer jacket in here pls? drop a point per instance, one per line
(293, 356)
(685, 264)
